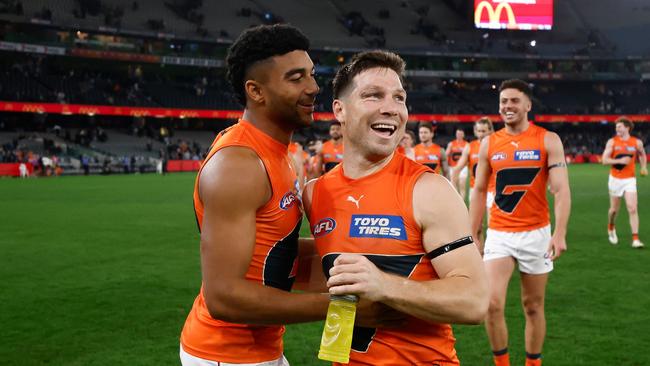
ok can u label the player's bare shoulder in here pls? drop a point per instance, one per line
(431, 194)
(232, 170)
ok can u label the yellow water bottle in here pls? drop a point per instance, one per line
(337, 334)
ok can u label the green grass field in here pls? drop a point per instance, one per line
(103, 270)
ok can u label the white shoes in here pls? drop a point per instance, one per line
(613, 239)
(637, 244)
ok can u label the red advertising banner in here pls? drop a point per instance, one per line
(183, 165)
(13, 169)
(115, 55)
(91, 110)
(513, 14)
(600, 118)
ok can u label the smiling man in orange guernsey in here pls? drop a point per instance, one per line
(248, 209)
(390, 230)
(521, 160)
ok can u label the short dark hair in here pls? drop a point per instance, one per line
(626, 122)
(518, 84)
(364, 61)
(427, 125)
(258, 44)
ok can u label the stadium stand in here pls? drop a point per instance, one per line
(150, 54)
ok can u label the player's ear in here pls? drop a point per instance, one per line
(339, 110)
(254, 91)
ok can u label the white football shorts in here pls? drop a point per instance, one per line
(528, 248)
(189, 360)
(618, 187)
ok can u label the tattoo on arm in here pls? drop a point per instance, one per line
(557, 165)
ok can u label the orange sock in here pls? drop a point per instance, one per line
(610, 227)
(635, 237)
(533, 359)
(501, 358)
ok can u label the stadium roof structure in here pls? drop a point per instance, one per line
(592, 27)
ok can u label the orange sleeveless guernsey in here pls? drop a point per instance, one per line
(519, 175)
(332, 154)
(277, 226)
(373, 216)
(455, 151)
(430, 156)
(620, 149)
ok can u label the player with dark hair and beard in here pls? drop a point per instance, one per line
(248, 209)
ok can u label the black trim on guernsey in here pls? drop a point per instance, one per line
(280, 259)
(330, 165)
(621, 166)
(522, 177)
(433, 166)
(196, 217)
(449, 247)
(401, 265)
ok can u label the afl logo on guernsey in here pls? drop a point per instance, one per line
(499, 156)
(377, 226)
(323, 227)
(288, 200)
(527, 155)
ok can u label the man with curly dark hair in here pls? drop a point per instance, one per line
(248, 209)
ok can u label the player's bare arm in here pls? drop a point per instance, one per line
(233, 185)
(608, 160)
(558, 178)
(477, 201)
(459, 296)
(462, 162)
(643, 158)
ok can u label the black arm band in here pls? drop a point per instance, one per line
(556, 165)
(449, 247)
